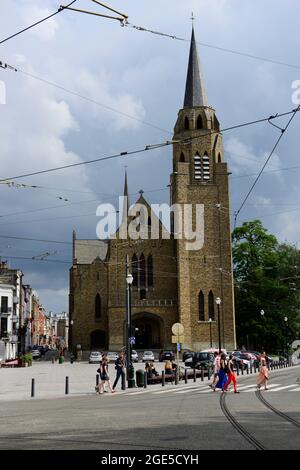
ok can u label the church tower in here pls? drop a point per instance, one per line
(200, 177)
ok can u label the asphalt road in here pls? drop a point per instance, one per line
(186, 418)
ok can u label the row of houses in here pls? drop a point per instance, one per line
(24, 322)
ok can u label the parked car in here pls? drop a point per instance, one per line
(148, 356)
(187, 355)
(201, 359)
(95, 357)
(36, 354)
(134, 356)
(112, 356)
(166, 356)
(241, 359)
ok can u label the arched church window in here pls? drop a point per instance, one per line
(201, 306)
(199, 122)
(142, 269)
(206, 167)
(150, 270)
(219, 158)
(186, 123)
(149, 221)
(197, 167)
(98, 306)
(182, 158)
(134, 270)
(211, 306)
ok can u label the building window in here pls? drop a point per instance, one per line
(134, 270)
(197, 167)
(186, 123)
(98, 306)
(219, 158)
(211, 306)
(201, 306)
(206, 167)
(4, 304)
(3, 330)
(199, 122)
(182, 158)
(150, 271)
(98, 276)
(142, 269)
(143, 294)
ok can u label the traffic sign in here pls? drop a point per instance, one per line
(177, 329)
(178, 339)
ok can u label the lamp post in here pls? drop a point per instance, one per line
(129, 366)
(210, 335)
(286, 345)
(262, 312)
(218, 302)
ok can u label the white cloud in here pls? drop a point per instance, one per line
(31, 13)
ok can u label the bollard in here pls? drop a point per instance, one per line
(194, 375)
(238, 369)
(97, 380)
(247, 370)
(242, 369)
(251, 369)
(145, 379)
(208, 373)
(123, 383)
(185, 376)
(163, 378)
(176, 377)
(53, 360)
(32, 388)
(202, 374)
(67, 386)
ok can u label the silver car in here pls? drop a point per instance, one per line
(112, 356)
(95, 357)
(148, 356)
(134, 356)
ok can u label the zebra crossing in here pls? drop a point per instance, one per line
(205, 390)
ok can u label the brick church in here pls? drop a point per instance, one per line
(170, 283)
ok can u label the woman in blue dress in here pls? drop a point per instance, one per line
(222, 373)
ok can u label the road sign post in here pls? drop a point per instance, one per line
(178, 338)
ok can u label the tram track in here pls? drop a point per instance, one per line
(275, 410)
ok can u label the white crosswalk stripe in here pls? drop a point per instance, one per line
(262, 389)
(283, 388)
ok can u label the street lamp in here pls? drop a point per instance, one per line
(210, 335)
(130, 369)
(286, 345)
(218, 302)
(262, 312)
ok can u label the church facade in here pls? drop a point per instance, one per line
(170, 282)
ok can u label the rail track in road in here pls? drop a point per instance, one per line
(275, 410)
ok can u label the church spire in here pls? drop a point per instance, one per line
(126, 199)
(195, 94)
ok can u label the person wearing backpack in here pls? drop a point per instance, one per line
(231, 375)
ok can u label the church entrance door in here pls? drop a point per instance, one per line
(148, 333)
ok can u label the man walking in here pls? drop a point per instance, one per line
(216, 370)
(120, 369)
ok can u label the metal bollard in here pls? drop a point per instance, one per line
(242, 369)
(251, 370)
(145, 379)
(247, 370)
(32, 388)
(238, 369)
(185, 376)
(163, 378)
(202, 374)
(176, 377)
(123, 383)
(194, 375)
(67, 386)
(208, 373)
(97, 380)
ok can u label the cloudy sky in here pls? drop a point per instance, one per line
(135, 83)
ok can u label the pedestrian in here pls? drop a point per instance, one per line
(217, 359)
(104, 377)
(153, 371)
(263, 375)
(120, 368)
(231, 375)
(168, 368)
(222, 375)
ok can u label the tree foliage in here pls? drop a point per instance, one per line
(267, 277)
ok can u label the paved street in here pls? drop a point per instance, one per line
(183, 417)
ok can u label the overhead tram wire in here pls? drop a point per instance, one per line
(60, 9)
(283, 131)
(154, 146)
(4, 65)
(211, 46)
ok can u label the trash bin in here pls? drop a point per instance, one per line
(139, 378)
(61, 359)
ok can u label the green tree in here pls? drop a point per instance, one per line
(266, 279)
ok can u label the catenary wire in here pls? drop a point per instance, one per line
(60, 9)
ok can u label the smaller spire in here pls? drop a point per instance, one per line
(195, 94)
(126, 198)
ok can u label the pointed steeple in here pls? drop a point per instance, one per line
(195, 94)
(126, 199)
